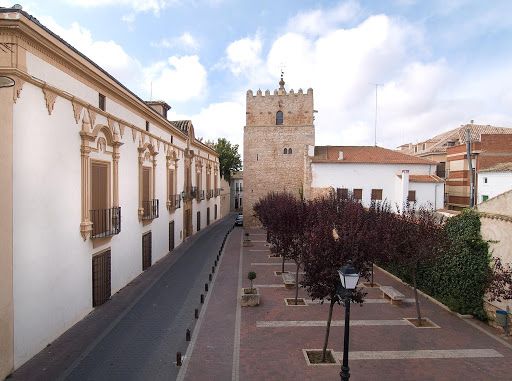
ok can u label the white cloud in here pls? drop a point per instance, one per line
(321, 20)
(186, 41)
(154, 6)
(178, 79)
(107, 54)
(223, 119)
(243, 55)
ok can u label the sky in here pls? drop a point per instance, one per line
(436, 64)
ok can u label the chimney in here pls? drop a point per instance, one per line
(340, 155)
(405, 185)
(160, 107)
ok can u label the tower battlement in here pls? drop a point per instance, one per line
(278, 92)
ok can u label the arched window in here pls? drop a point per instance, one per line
(279, 117)
(285, 151)
(289, 151)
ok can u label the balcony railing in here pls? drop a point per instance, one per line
(217, 192)
(174, 201)
(150, 209)
(201, 195)
(194, 192)
(209, 194)
(105, 222)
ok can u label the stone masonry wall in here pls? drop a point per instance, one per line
(266, 167)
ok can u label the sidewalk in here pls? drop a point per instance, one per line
(383, 345)
(115, 340)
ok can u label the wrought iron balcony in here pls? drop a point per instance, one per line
(194, 192)
(201, 195)
(174, 201)
(150, 209)
(209, 194)
(105, 222)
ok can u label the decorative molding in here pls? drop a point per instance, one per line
(158, 145)
(77, 110)
(134, 134)
(18, 86)
(92, 117)
(121, 129)
(50, 97)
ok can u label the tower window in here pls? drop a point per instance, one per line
(147, 125)
(279, 117)
(285, 151)
(289, 151)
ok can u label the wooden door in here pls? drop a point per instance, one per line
(146, 184)
(99, 198)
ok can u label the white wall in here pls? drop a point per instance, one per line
(377, 176)
(52, 281)
(497, 183)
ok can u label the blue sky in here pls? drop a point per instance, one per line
(440, 63)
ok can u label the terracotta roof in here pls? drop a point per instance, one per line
(237, 175)
(183, 125)
(364, 154)
(458, 136)
(501, 167)
(424, 179)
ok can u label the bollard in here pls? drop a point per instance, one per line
(187, 335)
(206, 287)
(202, 298)
(213, 269)
(196, 313)
(215, 262)
(210, 277)
(178, 359)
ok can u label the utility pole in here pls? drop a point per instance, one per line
(375, 125)
(470, 168)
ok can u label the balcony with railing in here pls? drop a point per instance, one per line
(105, 222)
(150, 209)
(194, 192)
(209, 194)
(217, 192)
(201, 195)
(174, 202)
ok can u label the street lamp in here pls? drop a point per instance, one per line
(349, 278)
(6, 81)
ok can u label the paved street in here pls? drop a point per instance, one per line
(135, 336)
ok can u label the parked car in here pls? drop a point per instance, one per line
(239, 220)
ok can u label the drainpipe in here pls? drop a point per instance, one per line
(405, 186)
(470, 167)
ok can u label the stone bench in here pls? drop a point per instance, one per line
(395, 296)
(288, 280)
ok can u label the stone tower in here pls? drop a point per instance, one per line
(279, 128)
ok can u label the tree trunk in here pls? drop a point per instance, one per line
(324, 350)
(418, 312)
(297, 282)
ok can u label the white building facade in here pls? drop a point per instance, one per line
(375, 173)
(494, 181)
(96, 185)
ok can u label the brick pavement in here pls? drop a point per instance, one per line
(276, 353)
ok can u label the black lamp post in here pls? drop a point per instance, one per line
(349, 278)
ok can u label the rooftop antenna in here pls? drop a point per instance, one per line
(375, 126)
